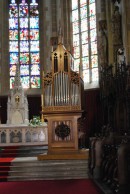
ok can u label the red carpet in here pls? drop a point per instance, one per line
(4, 168)
(9, 151)
(81, 186)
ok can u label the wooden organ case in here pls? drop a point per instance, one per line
(62, 102)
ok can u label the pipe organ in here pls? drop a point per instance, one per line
(62, 101)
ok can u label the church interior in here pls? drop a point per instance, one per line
(65, 91)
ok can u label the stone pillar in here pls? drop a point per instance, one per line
(4, 46)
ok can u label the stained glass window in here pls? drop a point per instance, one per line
(24, 42)
(85, 39)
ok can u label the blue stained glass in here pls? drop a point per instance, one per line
(13, 11)
(12, 70)
(23, 10)
(13, 46)
(35, 82)
(35, 58)
(34, 46)
(35, 69)
(13, 23)
(74, 4)
(76, 27)
(34, 23)
(24, 69)
(24, 46)
(12, 1)
(23, 38)
(23, 22)
(75, 15)
(25, 81)
(83, 11)
(13, 58)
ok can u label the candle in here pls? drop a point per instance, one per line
(42, 99)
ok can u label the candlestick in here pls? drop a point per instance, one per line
(42, 99)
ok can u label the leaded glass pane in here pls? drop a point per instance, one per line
(24, 34)
(12, 70)
(91, 1)
(11, 82)
(76, 64)
(94, 61)
(94, 48)
(24, 46)
(84, 25)
(13, 10)
(76, 40)
(74, 4)
(82, 3)
(75, 15)
(84, 32)
(24, 58)
(76, 27)
(84, 37)
(13, 58)
(85, 50)
(34, 11)
(35, 69)
(85, 62)
(25, 81)
(34, 46)
(83, 11)
(23, 10)
(23, 22)
(24, 69)
(34, 23)
(92, 9)
(95, 75)
(13, 34)
(76, 52)
(13, 23)
(34, 34)
(92, 22)
(13, 46)
(93, 35)
(24, 37)
(35, 58)
(35, 82)
(86, 75)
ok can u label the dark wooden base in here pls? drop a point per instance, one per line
(80, 154)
